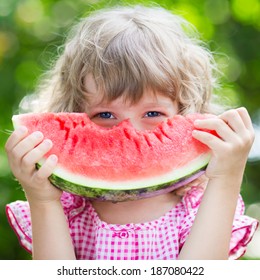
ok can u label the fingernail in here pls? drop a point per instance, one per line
(22, 129)
(37, 134)
(47, 143)
(53, 158)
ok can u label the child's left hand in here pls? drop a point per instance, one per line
(230, 151)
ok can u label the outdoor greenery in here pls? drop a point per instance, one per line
(32, 30)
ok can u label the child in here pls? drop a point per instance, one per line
(136, 63)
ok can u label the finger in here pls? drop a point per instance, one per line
(233, 119)
(245, 118)
(217, 124)
(35, 155)
(27, 144)
(47, 168)
(212, 141)
(16, 137)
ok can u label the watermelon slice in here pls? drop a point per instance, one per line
(119, 163)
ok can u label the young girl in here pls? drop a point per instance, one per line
(135, 63)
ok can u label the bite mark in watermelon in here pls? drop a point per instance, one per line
(119, 163)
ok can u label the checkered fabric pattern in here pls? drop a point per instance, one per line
(160, 239)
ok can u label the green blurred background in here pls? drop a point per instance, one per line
(31, 31)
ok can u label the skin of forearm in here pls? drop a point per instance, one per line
(211, 232)
(50, 231)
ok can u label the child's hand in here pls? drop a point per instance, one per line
(230, 151)
(23, 152)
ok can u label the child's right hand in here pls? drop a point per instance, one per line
(24, 151)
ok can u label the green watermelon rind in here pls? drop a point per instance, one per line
(121, 191)
(121, 194)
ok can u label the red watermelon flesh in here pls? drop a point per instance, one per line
(121, 162)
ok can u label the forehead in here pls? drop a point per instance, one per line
(95, 95)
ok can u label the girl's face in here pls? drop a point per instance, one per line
(146, 114)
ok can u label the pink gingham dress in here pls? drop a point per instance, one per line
(160, 239)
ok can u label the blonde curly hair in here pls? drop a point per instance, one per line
(127, 50)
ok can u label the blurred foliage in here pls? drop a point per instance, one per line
(31, 31)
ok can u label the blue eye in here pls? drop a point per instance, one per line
(153, 114)
(105, 115)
